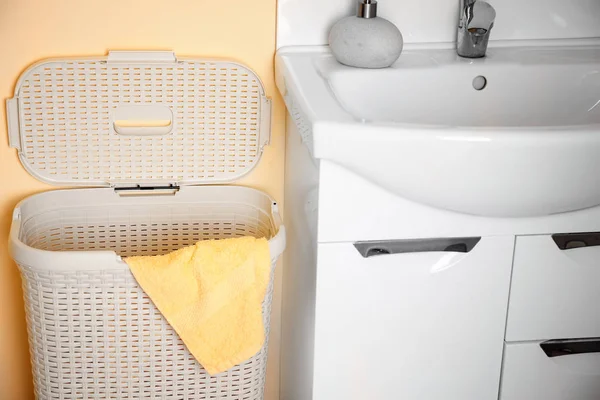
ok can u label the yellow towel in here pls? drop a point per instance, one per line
(211, 294)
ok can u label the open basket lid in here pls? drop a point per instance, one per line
(138, 118)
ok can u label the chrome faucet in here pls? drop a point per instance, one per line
(475, 21)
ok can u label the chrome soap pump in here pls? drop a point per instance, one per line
(366, 40)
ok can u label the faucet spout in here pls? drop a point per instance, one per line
(475, 21)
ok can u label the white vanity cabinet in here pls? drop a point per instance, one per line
(387, 299)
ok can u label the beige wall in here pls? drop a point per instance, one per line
(31, 30)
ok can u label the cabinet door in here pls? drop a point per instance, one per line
(421, 325)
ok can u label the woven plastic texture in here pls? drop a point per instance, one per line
(217, 113)
(94, 334)
(141, 230)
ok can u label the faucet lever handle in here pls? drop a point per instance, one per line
(480, 15)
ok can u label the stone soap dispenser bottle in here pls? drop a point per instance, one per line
(366, 41)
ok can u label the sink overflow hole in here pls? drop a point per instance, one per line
(479, 82)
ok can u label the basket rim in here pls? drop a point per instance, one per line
(26, 255)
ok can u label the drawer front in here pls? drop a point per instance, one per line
(420, 319)
(530, 373)
(555, 290)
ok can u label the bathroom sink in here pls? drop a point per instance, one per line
(515, 134)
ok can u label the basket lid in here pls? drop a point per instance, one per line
(138, 118)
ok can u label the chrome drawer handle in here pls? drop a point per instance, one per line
(566, 241)
(454, 245)
(566, 347)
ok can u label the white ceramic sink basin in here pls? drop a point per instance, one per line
(421, 91)
(527, 144)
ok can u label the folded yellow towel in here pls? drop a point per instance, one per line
(211, 294)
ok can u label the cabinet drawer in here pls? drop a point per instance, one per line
(555, 293)
(529, 373)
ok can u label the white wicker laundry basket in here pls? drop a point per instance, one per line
(140, 127)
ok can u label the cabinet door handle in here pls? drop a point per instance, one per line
(565, 347)
(566, 241)
(454, 245)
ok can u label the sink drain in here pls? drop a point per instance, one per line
(479, 82)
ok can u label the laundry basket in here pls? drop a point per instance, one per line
(150, 129)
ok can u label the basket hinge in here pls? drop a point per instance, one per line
(141, 57)
(265, 121)
(12, 117)
(146, 190)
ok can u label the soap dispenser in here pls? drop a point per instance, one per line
(365, 40)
